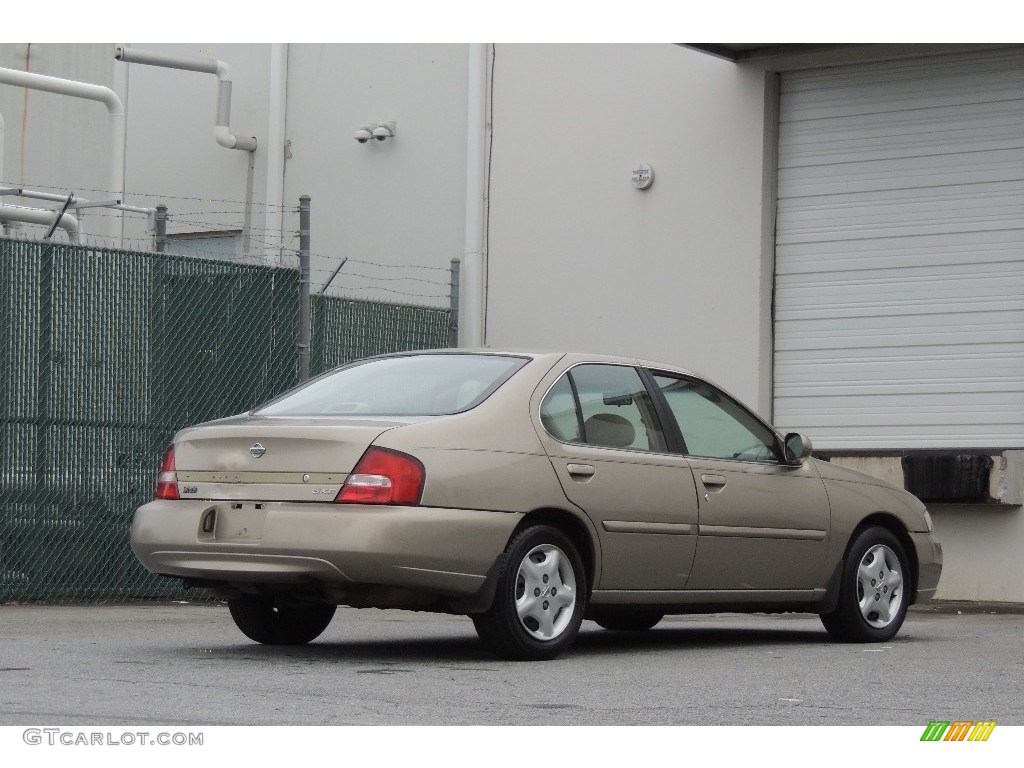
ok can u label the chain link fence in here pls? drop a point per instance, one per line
(347, 329)
(104, 355)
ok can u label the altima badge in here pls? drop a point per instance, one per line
(257, 451)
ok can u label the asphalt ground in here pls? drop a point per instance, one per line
(187, 664)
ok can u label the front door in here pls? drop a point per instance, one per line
(763, 524)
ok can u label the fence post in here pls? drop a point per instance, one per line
(161, 229)
(304, 309)
(453, 323)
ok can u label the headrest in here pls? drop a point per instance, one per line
(609, 430)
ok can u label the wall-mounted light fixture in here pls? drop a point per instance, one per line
(643, 176)
(380, 131)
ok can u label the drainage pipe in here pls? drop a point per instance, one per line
(92, 92)
(40, 216)
(471, 308)
(273, 221)
(1, 149)
(221, 131)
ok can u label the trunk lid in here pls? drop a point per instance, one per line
(273, 458)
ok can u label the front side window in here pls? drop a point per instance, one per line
(602, 405)
(713, 425)
(412, 385)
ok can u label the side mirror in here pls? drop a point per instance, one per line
(798, 448)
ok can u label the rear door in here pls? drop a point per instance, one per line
(608, 448)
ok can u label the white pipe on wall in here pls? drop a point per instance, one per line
(221, 130)
(277, 122)
(41, 216)
(81, 201)
(1, 149)
(99, 93)
(471, 295)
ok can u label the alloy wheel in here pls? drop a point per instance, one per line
(879, 586)
(545, 592)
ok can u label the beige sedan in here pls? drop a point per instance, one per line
(528, 491)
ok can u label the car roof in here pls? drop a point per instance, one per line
(552, 356)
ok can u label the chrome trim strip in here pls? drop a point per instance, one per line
(800, 534)
(274, 478)
(627, 526)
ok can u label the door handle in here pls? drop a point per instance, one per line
(580, 472)
(713, 482)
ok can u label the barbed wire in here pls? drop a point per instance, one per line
(265, 246)
(186, 218)
(291, 234)
(398, 266)
(183, 247)
(345, 274)
(391, 291)
(345, 289)
(127, 193)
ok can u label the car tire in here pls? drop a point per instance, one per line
(874, 591)
(273, 621)
(627, 622)
(539, 599)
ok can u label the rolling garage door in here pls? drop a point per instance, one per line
(899, 304)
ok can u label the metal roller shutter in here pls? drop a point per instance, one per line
(899, 304)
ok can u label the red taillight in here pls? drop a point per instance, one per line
(167, 480)
(383, 476)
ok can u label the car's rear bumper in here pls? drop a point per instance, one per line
(440, 551)
(929, 565)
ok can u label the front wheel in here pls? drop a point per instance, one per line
(539, 599)
(273, 621)
(874, 593)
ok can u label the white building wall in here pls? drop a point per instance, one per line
(172, 156)
(579, 258)
(981, 552)
(395, 208)
(61, 144)
(55, 143)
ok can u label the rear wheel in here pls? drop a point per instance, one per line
(273, 621)
(539, 599)
(874, 593)
(628, 622)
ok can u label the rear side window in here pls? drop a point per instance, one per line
(558, 412)
(602, 405)
(412, 385)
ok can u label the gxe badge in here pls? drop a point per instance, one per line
(257, 450)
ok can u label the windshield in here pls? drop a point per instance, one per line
(413, 385)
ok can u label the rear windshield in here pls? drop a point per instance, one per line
(416, 385)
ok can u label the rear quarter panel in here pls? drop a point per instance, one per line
(488, 458)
